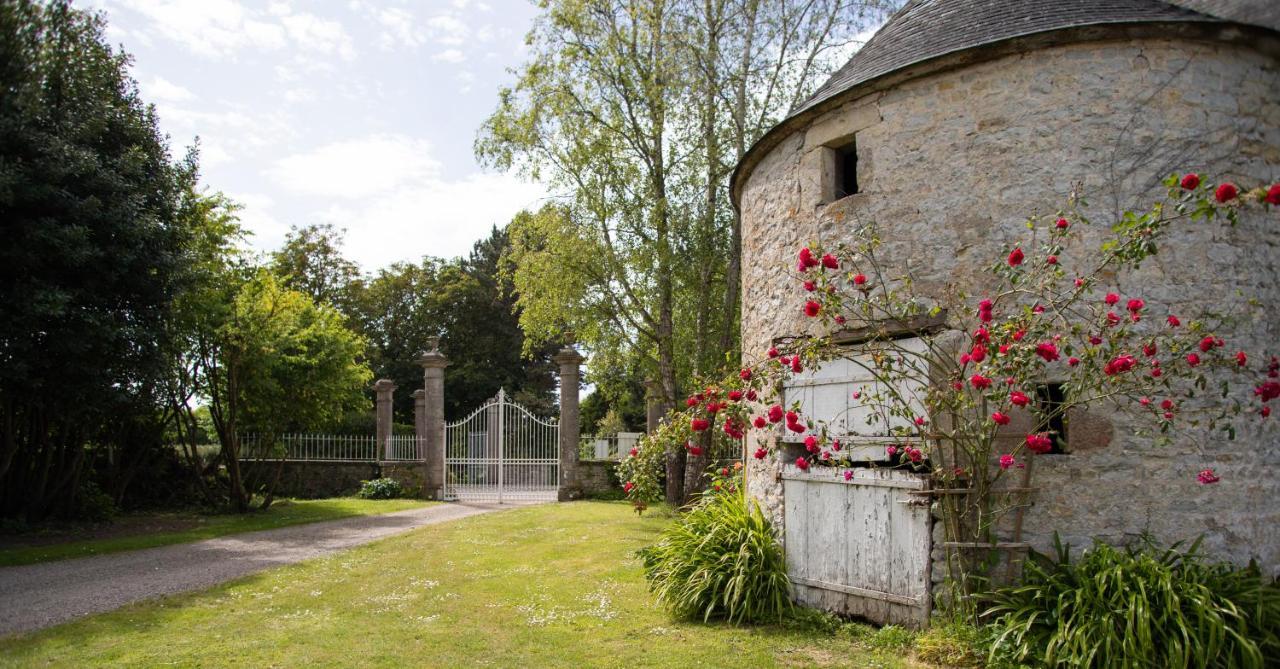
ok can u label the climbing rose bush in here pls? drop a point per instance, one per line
(1052, 311)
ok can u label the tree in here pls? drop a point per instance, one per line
(471, 308)
(627, 106)
(89, 202)
(278, 362)
(311, 262)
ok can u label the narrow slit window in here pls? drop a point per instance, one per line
(846, 170)
(1050, 398)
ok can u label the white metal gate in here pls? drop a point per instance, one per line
(502, 453)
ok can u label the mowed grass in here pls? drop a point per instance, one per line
(207, 526)
(556, 585)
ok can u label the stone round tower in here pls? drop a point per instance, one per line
(959, 119)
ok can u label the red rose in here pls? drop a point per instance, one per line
(1206, 344)
(1112, 319)
(1226, 192)
(859, 279)
(775, 413)
(1079, 282)
(691, 402)
(760, 422)
(796, 367)
(745, 374)
(1000, 419)
(1062, 224)
(980, 382)
(1190, 181)
(1052, 260)
(1173, 321)
(1268, 391)
(1167, 405)
(1039, 442)
(802, 463)
(695, 451)
(848, 474)
(761, 453)
(634, 452)
(796, 427)
(751, 395)
(810, 286)
(1019, 399)
(979, 353)
(811, 308)
(1266, 411)
(1111, 299)
(806, 259)
(1006, 461)
(773, 351)
(1149, 349)
(628, 487)
(1273, 195)
(1136, 305)
(829, 261)
(1241, 358)
(1047, 351)
(699, 424)
(1015, 257)
(1207, 477)
(811, 444)
(1118, 364)
(1073, 361)
(735, 395)
(1193, 359)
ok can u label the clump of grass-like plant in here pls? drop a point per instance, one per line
(1137, 607)
(721, 559)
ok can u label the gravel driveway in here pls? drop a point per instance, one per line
(36, 596)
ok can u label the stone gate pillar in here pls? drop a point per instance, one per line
(433, 364)
(384, 389)
(570, 361)
(420, 422)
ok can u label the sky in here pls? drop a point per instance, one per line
(357, 113)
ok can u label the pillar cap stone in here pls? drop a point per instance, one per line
(384, 385)
(568, 356)
(433, 359)
(418, 394)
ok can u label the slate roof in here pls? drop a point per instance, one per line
(925, 29)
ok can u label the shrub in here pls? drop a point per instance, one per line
(721, 559)
(954, 644)
(382, 488)
(1140, 607)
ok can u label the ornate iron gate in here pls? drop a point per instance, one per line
(502, 453)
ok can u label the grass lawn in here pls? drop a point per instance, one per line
(549, 586)
(137, 530)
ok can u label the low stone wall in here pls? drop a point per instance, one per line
(308, 480)
(598, 478)
(412, 476)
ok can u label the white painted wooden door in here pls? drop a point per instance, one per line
(859, 547)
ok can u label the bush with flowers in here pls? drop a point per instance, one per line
(951, 371)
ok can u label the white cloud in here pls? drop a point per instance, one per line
(449, 56)
(317, 34)
(448, 30)
(221, 28)
(390, 193)
(357, 168)
(159, 89)
(399, 30)
(433, 217)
